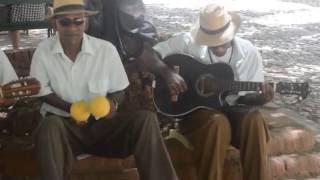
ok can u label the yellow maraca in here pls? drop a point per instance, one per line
(99, 106)
(80, 112)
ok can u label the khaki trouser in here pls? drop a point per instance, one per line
(211, 133)
(58, 141)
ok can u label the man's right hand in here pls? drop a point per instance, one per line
(150, 60)
(3, 115)
(175, 83)
(6, 102)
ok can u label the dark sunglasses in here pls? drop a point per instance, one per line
(69, 22)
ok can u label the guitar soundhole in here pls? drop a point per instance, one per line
(205, 85)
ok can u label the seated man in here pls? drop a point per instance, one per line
(211, 131)
(71, 67)
(7, 74)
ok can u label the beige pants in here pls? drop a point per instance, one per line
(211, 133)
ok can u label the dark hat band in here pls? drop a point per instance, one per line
(217, 31)
(73, 7)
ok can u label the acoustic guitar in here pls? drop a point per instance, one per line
(20, 88)
(206, 85)
(20, 122)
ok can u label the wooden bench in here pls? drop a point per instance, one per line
(11, 26)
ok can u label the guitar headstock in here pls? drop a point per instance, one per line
(20, 88)
(299, 89)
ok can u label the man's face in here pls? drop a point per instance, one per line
(71, 26)
(221, 50)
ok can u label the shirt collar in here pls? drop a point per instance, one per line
(85, 47)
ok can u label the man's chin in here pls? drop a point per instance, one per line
(70, 37)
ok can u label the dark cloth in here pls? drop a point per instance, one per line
(122, 22)
(59, 140)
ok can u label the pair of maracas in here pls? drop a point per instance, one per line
(98, 106)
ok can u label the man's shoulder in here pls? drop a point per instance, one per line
(98, 43)
(245, 46)
(243, 42)
(46, 43)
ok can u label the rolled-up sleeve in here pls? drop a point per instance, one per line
(118, 79)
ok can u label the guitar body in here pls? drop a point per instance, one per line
(200, 94)
(18, 89)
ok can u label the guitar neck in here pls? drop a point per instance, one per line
(236, 86)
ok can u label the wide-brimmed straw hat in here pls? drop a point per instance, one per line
(62, 7)
(216, 26)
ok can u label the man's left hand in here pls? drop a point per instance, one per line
(266, 92)
(113, 109)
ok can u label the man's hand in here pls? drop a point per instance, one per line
(264, 95)
(175, 83)
(113, 109)
(7, 102)
(266, 92)
(152, 62)
(79, 112)
(3, 115)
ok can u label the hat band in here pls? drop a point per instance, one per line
(217, 31)
(73, 7)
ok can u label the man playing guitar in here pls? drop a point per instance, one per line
(213, 40)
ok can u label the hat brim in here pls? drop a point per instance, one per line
(86, 13)
(201, 38)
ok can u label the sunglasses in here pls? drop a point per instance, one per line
(68, 22)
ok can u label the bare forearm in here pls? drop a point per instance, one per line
(151, 61)
(57, 102)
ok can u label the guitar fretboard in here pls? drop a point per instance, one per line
(236, 86)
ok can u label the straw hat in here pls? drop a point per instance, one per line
(216, 26)
(61, 7)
